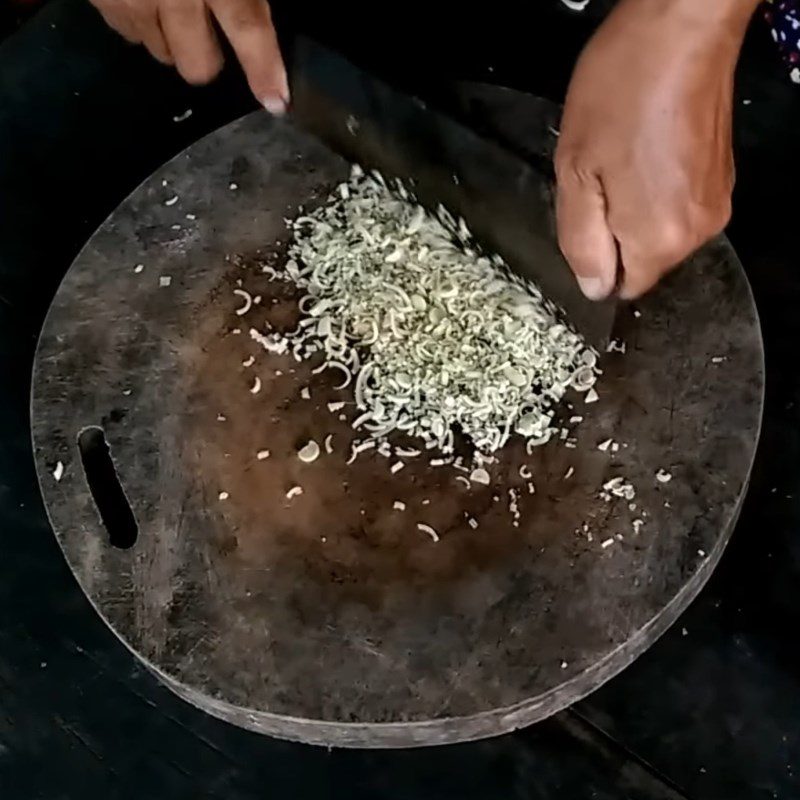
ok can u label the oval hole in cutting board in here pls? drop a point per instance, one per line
(107, 492)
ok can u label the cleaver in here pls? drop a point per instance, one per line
(505, 201)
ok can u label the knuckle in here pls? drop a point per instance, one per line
(201, 71)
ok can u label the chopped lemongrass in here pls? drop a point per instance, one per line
(164, 281)
(591, 396)
(262, 454)
(172, 200)
(480, 475)
(58, 472)
(396, 467)
(525, 472)
(607, 542)
(328, 443)
(294, 492)
(435, 334)
(248, 301)
(662, 476)
(427, 529)
(472, 522)
(305, 393)
(401, 451)
(309, 453)
(569, 473)
(256, 387)
(464, 480)
(605, 445)
(336, 406)
(248, 362)
(223, 495)
(399, 505)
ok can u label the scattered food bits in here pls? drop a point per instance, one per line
(464, 480)
(636, 313)
(531, 488)
(336, 406)
(637, 525)
(233, 186)
(221, 418)
(191, 217)
(427, 529)
(662, 476)
(525, 472)
(564, 665)
(473, 523)
(172, 200)
(576, 420)
(607, 542)
(399, 505)
(569, 473)
(618, 487)
(396, 467)
(616, 346)
(223, 495)
(717, 359)
(684, 632)
(605, 445)
(614, 447)
(305, 393)
(701, 553)
(183, 117)
(328, 443)
(480, 475)
(248, 301)
(295, 491)
(164, 281)
(138, 268)
(591, 396)
(256, 387)
(248, 362)
(262, 454)
(58, 472)
(309, 452)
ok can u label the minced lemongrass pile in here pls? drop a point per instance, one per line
(436, 336)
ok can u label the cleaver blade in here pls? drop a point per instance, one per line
(505, 201)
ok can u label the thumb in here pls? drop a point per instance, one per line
(584, 235)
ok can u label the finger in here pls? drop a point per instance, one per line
(584, 235)
(640, 273)
(119, 20)
(152, 35)
(192, 40)
(248, 26)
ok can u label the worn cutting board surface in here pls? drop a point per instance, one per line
(329, 617)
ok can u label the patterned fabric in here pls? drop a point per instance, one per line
(783, 17)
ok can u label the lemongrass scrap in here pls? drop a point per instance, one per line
(295, 491)
(58, 472)
(309, 452)
(427, 529)
(247, 303)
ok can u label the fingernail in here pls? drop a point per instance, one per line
(594, 288)
(275, 105)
